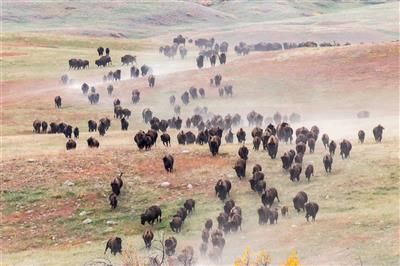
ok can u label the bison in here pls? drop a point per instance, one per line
(115, 245)
(243, 152)
(327, 160)
(268, 197)
(361, 136)
(222, 188)
(311, 210)
(377, 131)
(295, 172)
(345, 148)
(148, 236)
(70, 145)
(57, 102)
(213, 144)
(309, 171)
(299, 200)
(152, 214)
(168, 162)
(92, 142)
(240, 168)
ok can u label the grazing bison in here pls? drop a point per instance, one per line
(117, 184)
(309, 171)
(170, 245)
(300, 200)
(115, 245)
(189, 205)
(151, 80)
(213, 144)
(295, 172)
(113, 200)
(128, 59)
(327, 160)
(151, 214)
(57, 101)
(168, 162)
(70, 145)
(332, 147)
(311, 210)
(92, 142)
(166, 139)
(148, 236)
(361, 136)
(240, 168)
(222, 189)
(325, 140)
(345, 148)
(268, 197)
(272, 146)
(377, 131)
(243, 152)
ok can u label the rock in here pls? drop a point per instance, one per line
(327, 197)
(82, 213)
(111, 222)
(189, 186)
(165, 184)
(31, 160)
(87, 221)
(69, 183)
(185, 151)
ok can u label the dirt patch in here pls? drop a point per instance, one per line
(11, 54)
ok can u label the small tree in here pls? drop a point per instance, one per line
(292, 260)
(247, 259)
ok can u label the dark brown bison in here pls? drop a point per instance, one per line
(299, 158)
(181, 138)
(92, 142)
(148, 236)
(222, 220)
(272, 215)
(257, 168)
(205, 235)
(222, 58)
(115, 245)
(117, 184)
(124, 124)
(147, 115)
(272, 146)
(152, 81)
(299, 200)
(268, 197)
(286, 163)
(377, 131)
(311, 144)
(166, 139)
(172, 100)
(100, 51)
(128, 59)
(332, 147)
(284, 132)
(189, 205)
(70, 145)
(257, 182)
(309, 171)
(328, 160)
(257, 132)
(311, 210)
(168, 161)
(200, 61)
(222, 188)
(37, 124)
(228, 206)
(151, 215)
(301, 138)
(240, 168)
(141, 139)
(176, 224)
(170, 245)
(302, 130)
(325, 140)
(92, 125)
(284, 210)
(202, 92)
(262, 215)
(301, 148)
(110, 89)
(213, 144)
(44, 127)
(295, 172)
(185, 98)
(361, 136)
(243, 152)
(256, 143)
(345, 148)
(208, 224)
(76, 132)
(241, 135)
(113, 200)
(57, 101)
(315, 131)
(190, 137)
